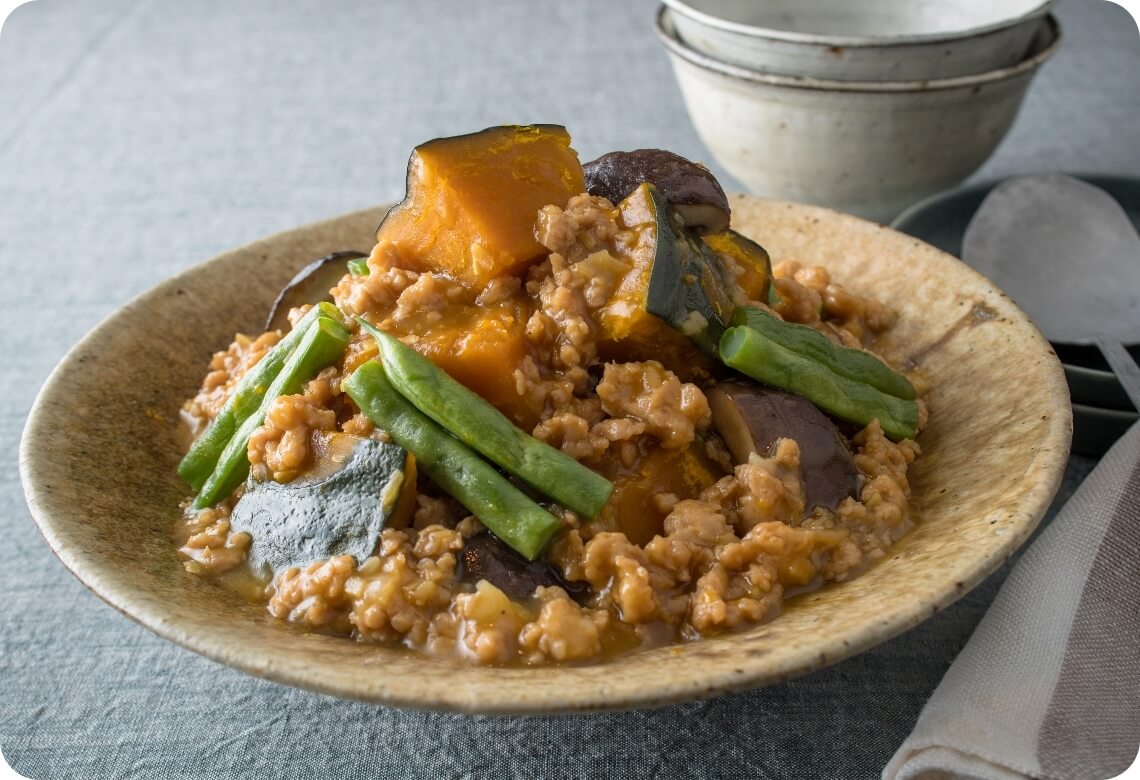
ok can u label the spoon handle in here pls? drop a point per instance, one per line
(1125, 368)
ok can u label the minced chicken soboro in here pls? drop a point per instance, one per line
(721, 547)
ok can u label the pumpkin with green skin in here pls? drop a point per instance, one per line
(675, 296)
(689, 286)
(358, 487)
(752, 259)
(471, 202)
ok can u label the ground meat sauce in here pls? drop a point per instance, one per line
(689, 546)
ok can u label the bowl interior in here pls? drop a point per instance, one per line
(879, 19)
(100, 448)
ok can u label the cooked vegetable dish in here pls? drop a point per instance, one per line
(559, 412)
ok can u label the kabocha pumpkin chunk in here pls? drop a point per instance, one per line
(481, 347)
(689, 286)
(752, 259)
(633, 508)
(471, 201)
(674, 296)
(338, 508)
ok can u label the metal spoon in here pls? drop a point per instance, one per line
(1068, 254)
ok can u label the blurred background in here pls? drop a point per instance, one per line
(138, 138)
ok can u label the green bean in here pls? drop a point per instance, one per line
(199, 462)
(322, 342)
(473, 482)
(852, 363)
(484, 428)
(753, 353)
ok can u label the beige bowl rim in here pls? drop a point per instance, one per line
(853, 41)
(668, 37)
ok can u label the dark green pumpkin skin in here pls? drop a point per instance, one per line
(316, 517)
(687, 278)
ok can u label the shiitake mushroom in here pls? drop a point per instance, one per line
(311, 285)
(688, 186)
(751, 417)
(485, 557)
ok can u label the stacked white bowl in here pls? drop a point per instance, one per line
(861, 105)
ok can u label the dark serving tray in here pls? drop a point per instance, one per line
(1101, 409)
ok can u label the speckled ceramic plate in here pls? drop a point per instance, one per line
(99, 452)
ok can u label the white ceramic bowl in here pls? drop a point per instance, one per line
(868, 40)
(867, 148)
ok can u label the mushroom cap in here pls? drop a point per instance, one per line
(751, 418)
(688, 186)
(485, 557)
(312, 284)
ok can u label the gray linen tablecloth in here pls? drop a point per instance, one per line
(138, 138)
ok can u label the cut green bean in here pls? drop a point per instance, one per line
(852, 363)
(322, 342)
(481, 426)
(761, 358)
(473, 482)
(198, 464)
(358, 266)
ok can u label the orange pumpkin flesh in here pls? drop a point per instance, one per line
(482, 347)
(627, 331)
(472, 200)
(682, 472)
(750, 257)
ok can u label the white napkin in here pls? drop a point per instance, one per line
(1049, 684)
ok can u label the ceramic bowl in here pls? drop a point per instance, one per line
(872, 40)
(100, 447)
(867, 148)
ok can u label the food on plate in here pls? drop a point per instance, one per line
(471, 200)
(752, 418)
(319, 340)
(835, 381)
(362, 486)
(559, 412)
(312, 284)
(693, 192)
